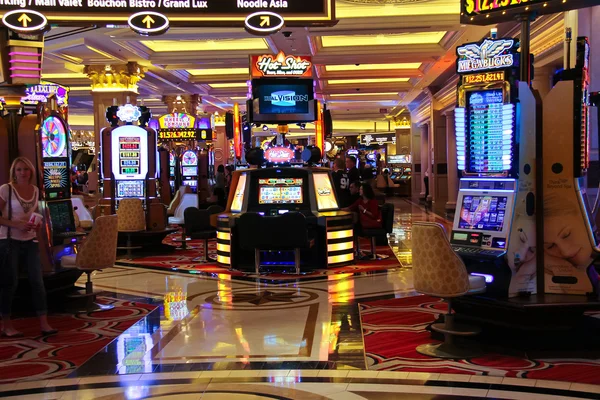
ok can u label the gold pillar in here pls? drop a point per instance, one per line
(110, 83)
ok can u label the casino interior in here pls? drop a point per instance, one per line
(198, 240)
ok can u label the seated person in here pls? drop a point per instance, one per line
(183, 189)
(367, 208)
(354, 192)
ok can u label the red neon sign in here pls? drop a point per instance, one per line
(319, 139)
(237, 132)
(279, 154)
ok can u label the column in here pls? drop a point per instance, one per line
(542, 80)
(110, 82)
(452, 163)
(425, 166)
(416, 182)
(220, 141)
(439, 165)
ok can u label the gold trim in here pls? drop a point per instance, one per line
(340, 258)
(223, 260)
(340, 246)
(339, 234)
(223, 235)
(25, 43)
(223, 247)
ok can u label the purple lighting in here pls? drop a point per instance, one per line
(25, 61)
(488, 278)
(24, 76)
(25, 68)
(22, 53)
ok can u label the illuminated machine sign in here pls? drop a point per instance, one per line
(483, 77)
(40, 93)
(279, 154)
(238, 197)
(281, 65)
(490, 54)
(130, 143)
(377, 138)
(324, 190)
(486, 12)
(177, 126)
(129, 113)
(190, 13)
(56, 175)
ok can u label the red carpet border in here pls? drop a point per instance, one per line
(187, 261)
(392, 329)
(80, 336)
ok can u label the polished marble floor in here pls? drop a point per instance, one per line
(218, 337)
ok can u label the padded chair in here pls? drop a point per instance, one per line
(197, 226)
(97, 252)
(132, 219)
(188, 200)
(387, 224)
(257, 232)
(438, 271)
(215, 209)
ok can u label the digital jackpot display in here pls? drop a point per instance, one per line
(129, 147)
(129, 155)
(280, 191)
(484, 133)
(56, 178)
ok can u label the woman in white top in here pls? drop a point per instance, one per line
(17, 239)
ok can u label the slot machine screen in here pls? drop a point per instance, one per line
(324, 190)
(130, 144)
(61, 215)
(56, 178)
(129, 155)
(490, 131)
(486, 213)
(190, 171)
(280, 191)
(130, 189)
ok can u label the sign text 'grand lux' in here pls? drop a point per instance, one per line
(179, 12)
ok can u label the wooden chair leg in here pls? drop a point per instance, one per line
(297, 260)
(257, 261)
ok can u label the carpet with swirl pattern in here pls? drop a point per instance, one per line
(392, 330)
(79, 337)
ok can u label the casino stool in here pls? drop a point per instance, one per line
(197, 226)
(387, 222)
(188, 200)
(97, 252)
(257, 232)
(438, 271)
(132, 219)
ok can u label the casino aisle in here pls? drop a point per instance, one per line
(239, 338)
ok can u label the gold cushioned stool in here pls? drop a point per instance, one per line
(132, 219)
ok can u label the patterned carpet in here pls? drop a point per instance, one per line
(80, 336)
(187, 261)
(392, 329)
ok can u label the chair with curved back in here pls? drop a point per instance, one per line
(438, 271)
(198, 226)
(132, 219)
(97, 252)
(188, 200)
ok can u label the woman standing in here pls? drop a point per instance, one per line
(18, 201)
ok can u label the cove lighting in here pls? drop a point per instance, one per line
(363, 94)
(371, 67)
(383, 40)
(372, 80)
(205, 45)
(218, 71)
(227, 85)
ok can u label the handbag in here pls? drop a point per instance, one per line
(4, 258)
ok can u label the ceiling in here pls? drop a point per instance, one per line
(373, 63)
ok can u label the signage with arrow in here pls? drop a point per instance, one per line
(25, 20)
(147, 23)
(263, 23)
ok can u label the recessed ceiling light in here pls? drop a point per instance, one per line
(363, 94)
(227, 85)
(205, 45)
(371, 67)
(383, 40)
(218, 71)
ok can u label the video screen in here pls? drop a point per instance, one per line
(238, 196)
(280, 191)
(129, 155)
(325, 194)
(484, 213)
(56, 175)
(130, 189)
(289, 97)
(61, 216)
(189, 171)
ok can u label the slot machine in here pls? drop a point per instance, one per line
(570, 231)
(172, 165)
(494, 124)
(189, 169)
(130, 161)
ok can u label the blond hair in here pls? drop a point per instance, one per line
(29, 164)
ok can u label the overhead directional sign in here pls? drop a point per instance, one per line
(486, 12)
(263, 23)
(181, 13)
(148, 23)
(22, 20)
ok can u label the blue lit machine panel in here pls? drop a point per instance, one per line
(485, 133)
